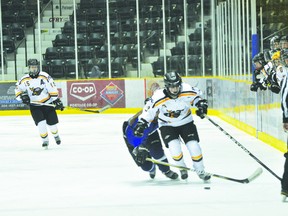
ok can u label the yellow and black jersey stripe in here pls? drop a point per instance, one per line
(42, 77)
(18, 93)
(182, 94)
(187, 94)
(53, 94)
(44, 99)
(161, 101)
(24, 80)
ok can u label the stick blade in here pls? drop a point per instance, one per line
(98, 111)
(254, 175)
(92, 111)
(103, 109)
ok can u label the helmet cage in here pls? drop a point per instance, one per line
(33, 67)
(172, 80)
(259, 58)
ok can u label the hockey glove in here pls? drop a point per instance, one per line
(254, 87)
(140, 127)
(58, 104)
(141, 153)
(25, 98)
(202, 106)
(275, 88)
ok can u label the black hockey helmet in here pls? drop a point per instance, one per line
(259, 58)
(172, 80)
(34, 67)
(284, 42)
(284, 57)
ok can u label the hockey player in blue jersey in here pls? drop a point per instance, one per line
(146, 146)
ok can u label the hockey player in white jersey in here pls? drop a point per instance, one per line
(175, 120)
(38, 90)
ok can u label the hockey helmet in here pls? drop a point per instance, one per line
(259, 61)
(284, 57)
(275, 42)
(284, 42)
(172, 82)
(34, 68)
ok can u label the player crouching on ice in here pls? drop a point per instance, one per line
(146, 146)
(172, 105)
(38, 90)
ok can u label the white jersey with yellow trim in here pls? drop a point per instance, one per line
(281, 73)
(172, 112)
(41, 89)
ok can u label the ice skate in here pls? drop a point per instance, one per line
(58, 140)
(152, 173)
(170, 174)
(184, 174)
(203, 175)
(45, 144)
(284, 194)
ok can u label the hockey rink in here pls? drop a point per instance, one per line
(92, 174)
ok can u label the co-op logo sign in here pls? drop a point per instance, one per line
(83, 91)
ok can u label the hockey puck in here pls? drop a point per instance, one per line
(207, 188)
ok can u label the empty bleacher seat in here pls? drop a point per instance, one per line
(52, 53)
(70, 68)
(8, 43)
(82, 39)
(67, 52)
(175, 63)
(96, 39)
(26, 18)
(194, 65)
(68, 28)
(194, 48)
(17, 31)
(158, 66)
(57, 68)
(62, 40)
(85, 53)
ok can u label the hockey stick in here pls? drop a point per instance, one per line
(86, 110)
(242, 147)
(92, 111)
(43, 104)
(253, 176)
(100, 110)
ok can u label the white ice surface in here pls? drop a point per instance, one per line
(92, 174)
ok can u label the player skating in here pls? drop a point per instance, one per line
(39, 87)
(175, 120)
(146, 146)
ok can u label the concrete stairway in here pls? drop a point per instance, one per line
(48, 34)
